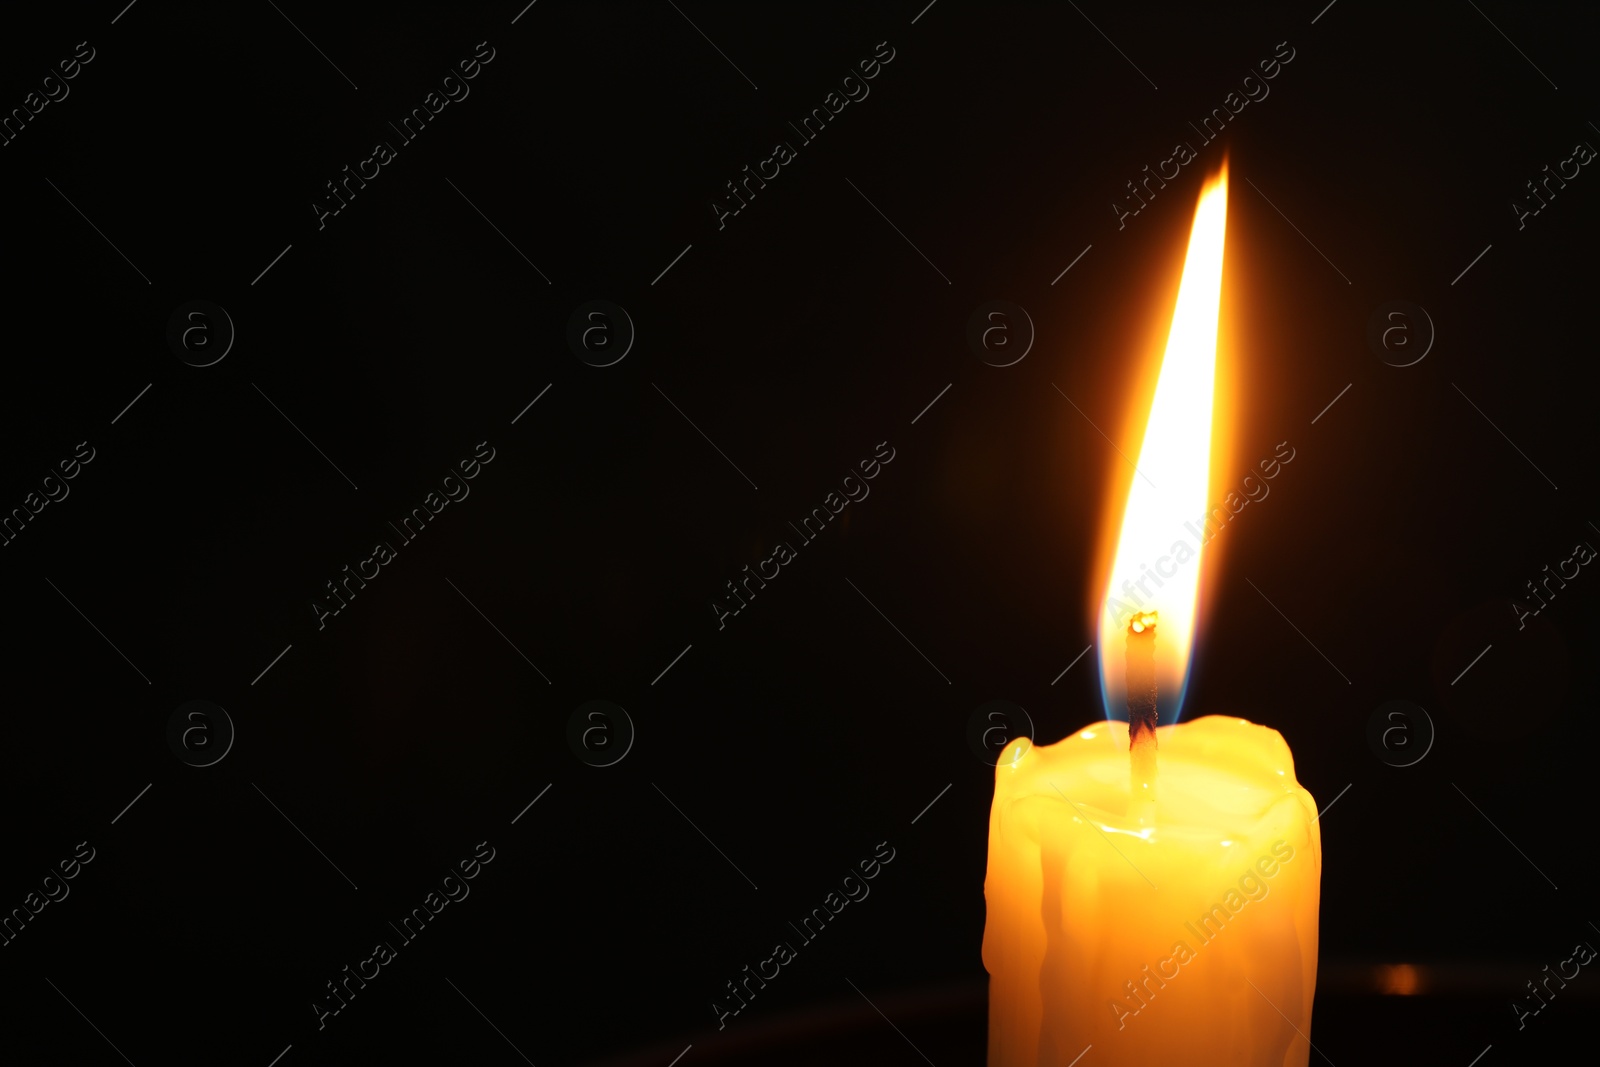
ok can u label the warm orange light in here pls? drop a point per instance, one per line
(1399, 979)
(1157, 561)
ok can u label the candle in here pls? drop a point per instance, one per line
(1142, 932)
(1152, 890)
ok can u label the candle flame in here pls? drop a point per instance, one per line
(1157, 561)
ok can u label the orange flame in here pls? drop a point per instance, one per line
(1157, 561)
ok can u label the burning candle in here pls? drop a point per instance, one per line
(1152, 889)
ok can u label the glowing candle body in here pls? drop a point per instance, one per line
(1140, 928)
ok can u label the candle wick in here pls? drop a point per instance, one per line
(1140, 667)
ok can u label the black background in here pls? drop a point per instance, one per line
(796, 338)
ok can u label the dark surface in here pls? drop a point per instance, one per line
(827, 715)
(948, 1025)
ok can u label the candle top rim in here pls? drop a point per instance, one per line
(1218, 773)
